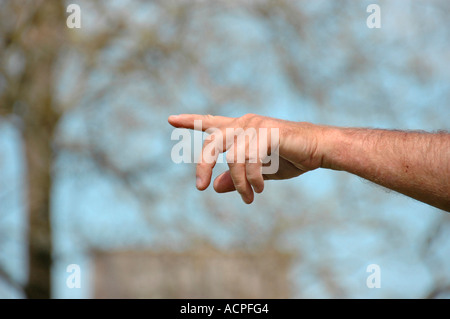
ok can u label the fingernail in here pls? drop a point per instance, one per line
(259, 189)
(173, 117)
(198, 182)
(246, 199)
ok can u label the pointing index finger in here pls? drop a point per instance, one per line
(207, 121)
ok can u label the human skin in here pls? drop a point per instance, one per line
(416, 164)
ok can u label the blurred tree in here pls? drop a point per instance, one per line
(31, 35)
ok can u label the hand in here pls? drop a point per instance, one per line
(297, 151)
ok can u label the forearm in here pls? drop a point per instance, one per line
(413, 163)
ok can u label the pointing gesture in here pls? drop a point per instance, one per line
(249, 141)
(412, 163)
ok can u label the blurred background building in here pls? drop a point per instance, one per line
(202, 273)
(85, 147)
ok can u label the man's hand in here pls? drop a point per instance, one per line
(296, 150)
(416, 164)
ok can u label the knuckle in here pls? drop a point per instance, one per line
(240, 187)
(251, 118)
(201, 165)
(231, 157)
(252, 178)
(249, 115)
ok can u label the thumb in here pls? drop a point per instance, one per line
(223, 183)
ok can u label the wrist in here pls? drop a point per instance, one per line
(309, 145)
(331, 147)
